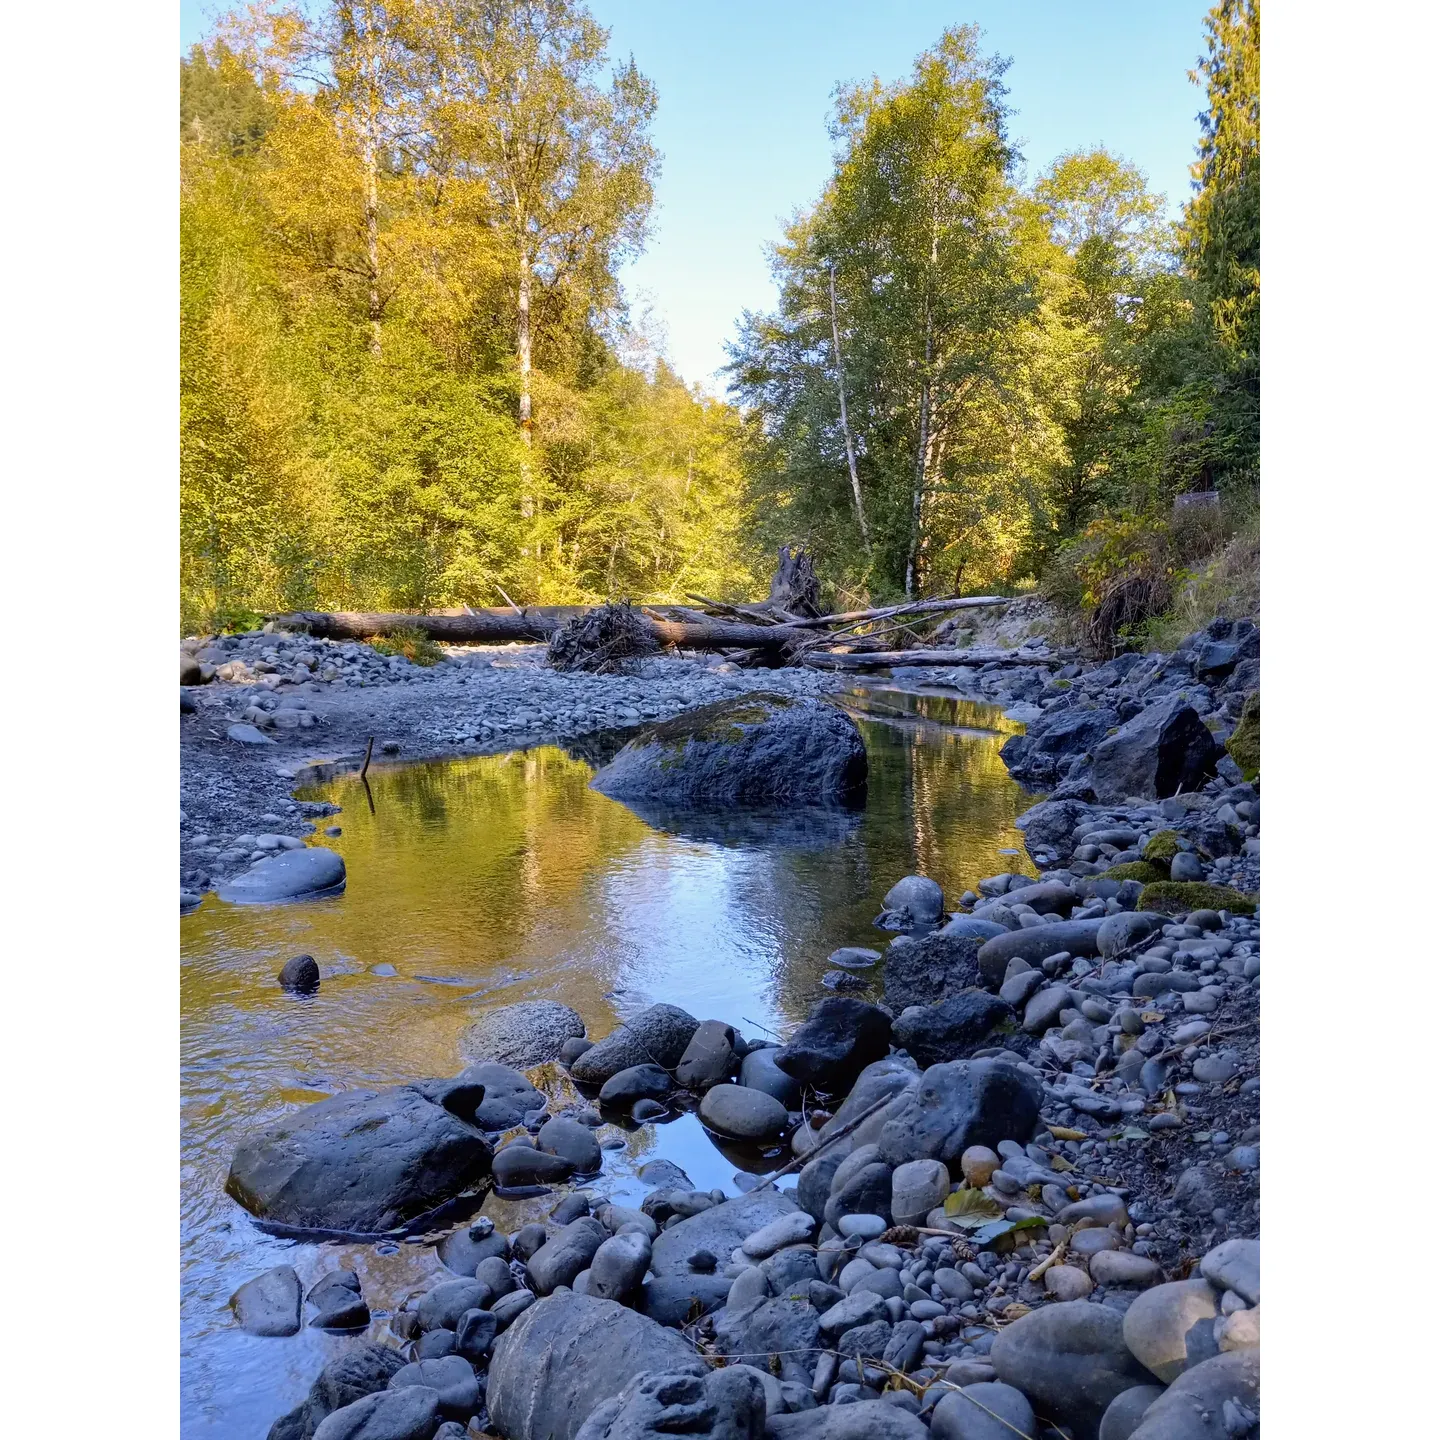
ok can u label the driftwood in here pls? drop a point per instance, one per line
(795, 588)
(913, 607)
(840, 660)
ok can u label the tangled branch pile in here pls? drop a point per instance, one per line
(611, 640)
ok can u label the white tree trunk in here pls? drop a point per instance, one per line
(845, 417)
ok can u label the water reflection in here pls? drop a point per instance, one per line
(478, 882)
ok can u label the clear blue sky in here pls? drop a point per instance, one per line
(745, 90)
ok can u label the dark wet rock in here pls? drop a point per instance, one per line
(1077, 937)
(718, 1230)
(778, 1327)
(570, 1353)
(755, 750)
(657, 1036)
(1070, 1359)
(290, 875)
(475, 1334)
(523, 1035)
(758, 1071)
(987, 1411)
(1210, 1402)
(843, 980)
(726, 1404)
(572, 1141)
(708, 1058)
(518, 1165)
(960, 1104)
(301, 974)
(362, 1161)
(509, 1095)
(915, 900)
(677, 1299)
(406, 1414)
(509, 1307)
(561, 1258)
(636, 1082)
(436, 1344)
(1052, 744)
(645, 1110)
(861, 1420)
(853, 957)
(270, 1303)
(441, 1307)
(1049, 829)
(339, 1308)
(930, 970)
(947, 1031)
(527, 1240)
(463, 1250)
(971, 927)
(618, 1267)
(839, 1039)
(451, 1378)
(744, 1114)
(1164, 750)
(355, 1373)
(1123, 1414)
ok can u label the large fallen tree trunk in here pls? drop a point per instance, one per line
(875, 659)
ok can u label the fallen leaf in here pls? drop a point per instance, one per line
(1063, 1132)
(970, 1208)
(1151, 1017)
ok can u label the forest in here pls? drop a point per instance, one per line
(410, 379)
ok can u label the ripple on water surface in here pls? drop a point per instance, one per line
(479, 882)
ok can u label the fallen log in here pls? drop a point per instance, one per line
(876, 659)
(912, 607)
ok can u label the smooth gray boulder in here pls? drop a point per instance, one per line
(356, 1372)
(1080, 938)
(1171, 1327)
(532, 1032)
(1124, 1413)
(311, 873)
(708, 1058)
(618, 1267)
(568, 1354)
(987, 1411)
(1234, 1265)
(363, 1161)
(971, 927)
(562, 1257)
(758, 1071)
(1210, 1402)
(656, 1036)
(959, 1104)
(508, 1096)
(246, 734)
(406, 1414)
(931, 969)
(1070, 1359)
(915, 900)
(718, 1230)
(515, 1166)
(573, 1141)
(463, 1249)
(757, 749)
(726, 1404)
(1163, 750)
(863, 1420)
(740, 1113)
(270, 1303)
(450, 1377)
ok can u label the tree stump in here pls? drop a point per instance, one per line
(795, 588)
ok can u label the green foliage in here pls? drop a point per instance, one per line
(1162, 847)
(1181, 897)
(1244, 743)
(411, 642)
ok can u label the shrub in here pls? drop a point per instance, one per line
(411, 642)
(1180, 897)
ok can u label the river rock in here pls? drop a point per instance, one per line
(758, 749)
(635, 1082)
(862, 1420)
(270, 1303)
(475, 1334)
(1049, 829)
(728, 1404)
(568, 1354)
(1124, 1413)
(508, 1096)
(247, 734)
(1172, 1327)
(785, 1328)
(364, 1160)
(1130, 927)
(464, 1249)
(1234, 1265)
(530, 1033)
(518, 1165)
(618, 1267)
(1123, 1267)
(758, 1071)
(915, 900)
(291, 875)
(718, 1230)
(947, 1031)
(853, 957)
(708, 1058)
(839, 1039)
(441, 1306)
(571, 1140)
(657, 1036)
(916, 1188)
(562, 1257)
(931, 969)
(674, 1300)
(957, 1105)
(1039, 942)
(971, 927)
(1050, 746)
(451, 1378)
(1164, 750)
(1045, 897)
(744, 1114)
(300, 974)
(971, 1414)
(356, 1372)
(1210, 1402)
(406, 1414)
(1070, 1359)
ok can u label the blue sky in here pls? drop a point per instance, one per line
(745, 90)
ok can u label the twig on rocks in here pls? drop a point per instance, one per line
(802, 1160)
(1053, 1258)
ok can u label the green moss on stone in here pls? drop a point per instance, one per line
(1162, 848)
(1146, 871)
(1180, 897)
(1244, 744)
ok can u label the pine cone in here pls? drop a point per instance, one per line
(906, 1235)
(962, 1251)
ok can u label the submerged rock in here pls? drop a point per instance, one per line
(657, 1036)
(755, 750)
(530, 1033)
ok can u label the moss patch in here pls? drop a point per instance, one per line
(1180, 897)
(1146, 871)
(1162, 848)
(1244, 744)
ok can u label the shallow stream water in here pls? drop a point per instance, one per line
(477, 882)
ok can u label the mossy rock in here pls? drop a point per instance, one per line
(1180, 897)
(1244, 744)
(1162, 848)
(1146, 871)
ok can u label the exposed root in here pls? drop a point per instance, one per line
(609, 641)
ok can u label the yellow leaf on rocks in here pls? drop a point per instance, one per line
(1060, 1163)
(1061, 1132)
(1151, 1017)
(973, 1206)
